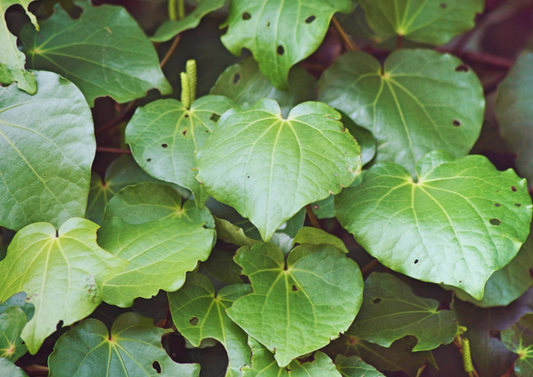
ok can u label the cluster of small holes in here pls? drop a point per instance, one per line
(194, 321)
(495, 222)
(281, 50)
(462, 68)
(164, 145)
(456, 123)
(310, 19)
(377, 300)
(246, 16)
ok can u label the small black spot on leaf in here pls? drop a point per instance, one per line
(148, 159)
(294, 288)
(513, 188)
(184, 132)
(416, 261)
(281, 50)
(186, 116)
(518, 204)
(268, 24)
(377, 300)
(462, 68)
(164, 145)
(157, 367)
(495, 222)
(456, 123)
(444, 5)
(497, 204)
(236, 78)
(194, 321)
(310, 19)
(246, 16)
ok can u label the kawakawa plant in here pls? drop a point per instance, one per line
(223, 229)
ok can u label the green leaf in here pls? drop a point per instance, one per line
(279, 33)
(364, 138)
(391, 311)
(12, 61)
(318, 280)
(430, 21)
(164, 134)
(418, 102)
(230, 233)
(268, 167)
(49, 146)
(199, 314)
(515, 113)
(149, 201)
(8, 369)
(264, 364)
(122, 172)
(12, 321)
(519, 339)
(160, 253)
(18, 300)
(507, 284)
(62, 274)
(314, 236)
(170, 29)
(398, 357)
(245, 84)
(132, 349)
(355, 367)
(221, 266)
(458, 224)
(104, 52)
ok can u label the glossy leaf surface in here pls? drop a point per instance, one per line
(268, 167)
(391, 311)
(318, 280)
(46, 160)
(279, 33)
(519, 339)
(68, 268)
(105, 46)
(12, 321)
(419, 101)
(131, 350)
(221, 266)
(355, 367)
(199, 314)
(165, 134)
(424, 21)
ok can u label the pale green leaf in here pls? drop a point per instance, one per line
(199, 314)
(234, 234)
(131, 350)
(8, 369)
(279, 33)
(419, 101)
(48, 147)
(170, 29)
(355, 367)
(264, 365)
(12, 61)
(62, 274)
(149, 201)
(164, 135)
(221, 266)
(391, 311)
(268, 167)
(424, 21)
(12, 321)
(245, 84)
(519, 339)
(314, 236)
(317, 280)
(104, 52)
(458, 224)
(514, 111)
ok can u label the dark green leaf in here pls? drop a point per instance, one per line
(391, 311)
(165, 134)
(245, 84)
(277, 165)
(313, 236)
(200, 314)
(221, 265)
(132, 349)
(317, 280)
(18, 300)
(519, 339)
(418, 102)
(355, 367)
(430, 21)
(12, 321)
(48, 148)
(104, 52)
(62, 274)
(279, 33)
(457, 225)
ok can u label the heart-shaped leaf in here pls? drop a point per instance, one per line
(419, 101)
(132, 349)
(171, 28)
(46, 161)
(198, 314)
(268, 167)
(318, 280)
(430, 21)
(462, 221)
(264, 364)
(62, 274)
(279, 33)
(12, 321)
(164, 135)
(245, 84)
(353, 366)
(105, 46)
(514, 111)
(391, 311)
(519, 339)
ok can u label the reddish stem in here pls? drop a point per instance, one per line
(113, 150)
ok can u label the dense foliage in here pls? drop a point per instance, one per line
(348, 198)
